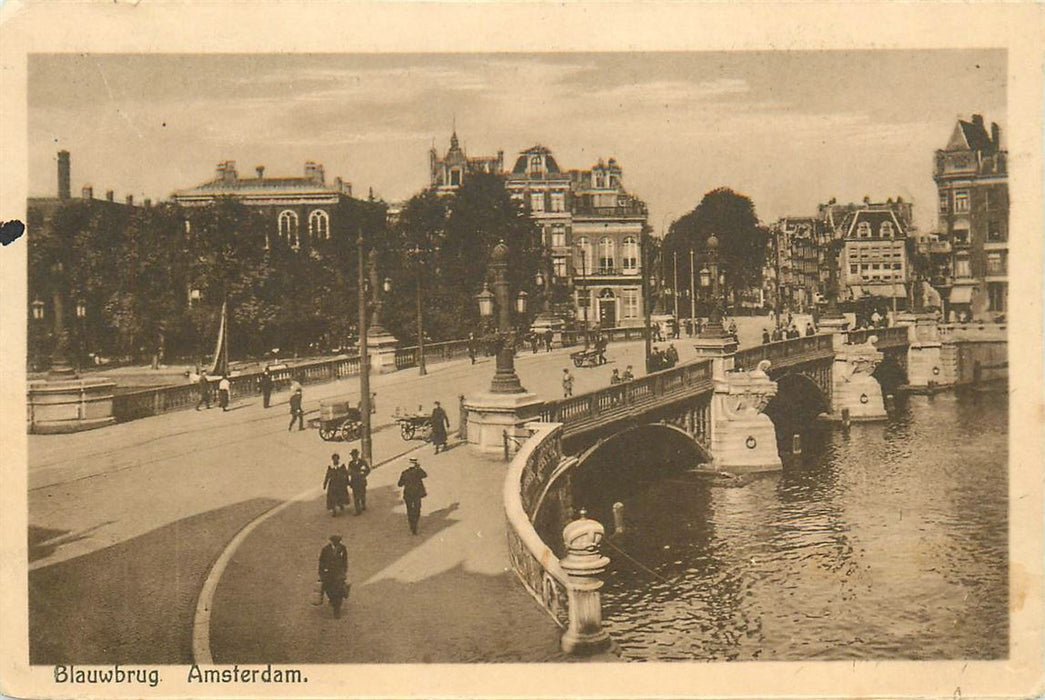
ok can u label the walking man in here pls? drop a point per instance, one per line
(224, 389)
(548, 336)
(440, 423)
(266, 387)
(296, 412)
(333, 569)
(358, 471)
(204, 384)
(567, 383)
(471, 347)
(413, 485)
(336, 485)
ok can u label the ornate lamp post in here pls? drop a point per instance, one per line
(584, 285)
(709, 280)
(365, 443)
(417, 253)
(505, 379)
(81, 313)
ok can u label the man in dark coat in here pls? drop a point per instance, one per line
(765, 336)
(413, 485)
(333, 568)
(358, 471)
(472, 347)
(810, 330)
(335, 482)
(204, 384)
(266, 387)
(440, 423)
(548, 337)
(296, 412)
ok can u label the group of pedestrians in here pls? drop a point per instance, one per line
(618, 378)
(537, 340)
(340, 478)
(663, 359)
(788, 333)
(224, 391)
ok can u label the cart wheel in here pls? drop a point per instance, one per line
(327, 433)
(578, 362)
(350, 430)
(426, 433)
(406, 430)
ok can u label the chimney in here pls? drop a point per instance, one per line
(130, 200)
(148, 203)
(108, 195)
(229, 173)
(977, 120)
(261, 171)
(64, 189)
(996, 135)
(87, 192)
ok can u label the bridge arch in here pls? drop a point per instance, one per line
(798, 402)
(890, 375)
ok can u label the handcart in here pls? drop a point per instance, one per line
(338, 419)
(414, 425)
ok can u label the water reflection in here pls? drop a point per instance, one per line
(884, 541)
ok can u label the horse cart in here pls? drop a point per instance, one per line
(588, 358)
(339, 419)
(414, 425)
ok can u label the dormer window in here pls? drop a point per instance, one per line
(455, 177)
(536, 164)
(863, 230)
(886, 229)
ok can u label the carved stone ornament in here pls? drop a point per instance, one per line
(583, 538)
(858, 360)
(749, 392)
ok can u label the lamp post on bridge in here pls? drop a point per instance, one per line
(505, 379)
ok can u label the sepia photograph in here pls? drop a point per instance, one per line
(644, 356)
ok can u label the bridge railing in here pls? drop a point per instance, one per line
(684, 378)
(894, 335)
(434, 352)
(531, 558)
(973, 331)
(782, 350)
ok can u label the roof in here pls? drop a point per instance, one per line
(257, 184)
(522, 163)
(875, 217)
(970, 136)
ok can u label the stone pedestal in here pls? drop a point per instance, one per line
(489, 415)
(69, 406)
(925, 366)
(743, 439)
(836, 328)
(853, 386)
(382, 349)
(583, 564)
(720, 350)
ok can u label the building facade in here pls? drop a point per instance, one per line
(299, 209)
(971, 176)
(796, 252)
(873, 262)
(592, 229)
(448, 172)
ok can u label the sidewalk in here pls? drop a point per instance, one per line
(445, 595)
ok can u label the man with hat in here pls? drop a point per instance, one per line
(297, 413)
(358, 470)
(412, 483)
(333, 568)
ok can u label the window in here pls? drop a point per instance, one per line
(455, 177)
(865, 268)
(961, 236)
(630, 303)
(853, 269)
(961, 267)
(961, 201)
(558, 236)
(536, 165)
(288, 228)
(863, 230)
(996, 293)
(536, 201)
(886, 229)
(995, 264)
(584, 256)
(558, 201)
(897, 266)
(559, 267)
(995, 232)
(945, 201)
(318, 225)
(630, 261)
(606, 251)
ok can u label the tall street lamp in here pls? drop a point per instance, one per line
(505, 380)
(417, 253)
(584, 285)
(365, 441)
(81, 313)
(692, 288)
(709, 280)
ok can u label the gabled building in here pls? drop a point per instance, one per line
(971, 174)
(797, 248)
(299, 208)
(592, 228)
(448, 172)
(873, 263)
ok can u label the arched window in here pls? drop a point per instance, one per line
(288, 228)
(606, 254)
(318, 225)
(536, 164)
(584, 256)
(886, 229)
(863, 230)
(630, 261)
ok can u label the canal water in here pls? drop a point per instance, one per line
(883, 541)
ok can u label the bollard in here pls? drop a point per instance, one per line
(796, 444)
(845, 417)
(504, 437)
(583, 564)
(618, 518)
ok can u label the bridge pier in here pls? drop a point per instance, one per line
(853, 388)
(743, 439)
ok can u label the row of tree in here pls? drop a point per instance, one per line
(153, 280)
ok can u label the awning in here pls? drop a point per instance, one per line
(961, 295)
(888, 291)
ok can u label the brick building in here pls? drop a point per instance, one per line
(448, 172)
(299, 208)
(971, 177)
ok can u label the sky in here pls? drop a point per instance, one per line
(788, 129)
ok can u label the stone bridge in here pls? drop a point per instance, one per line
(722, 411)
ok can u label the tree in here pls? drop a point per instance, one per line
(742, 240)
